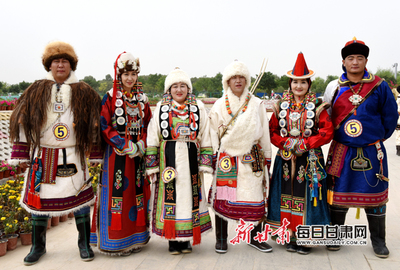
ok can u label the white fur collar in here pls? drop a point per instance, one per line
(240, 137)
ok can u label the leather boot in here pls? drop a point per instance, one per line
(338, 217)
(38, 249)
(261, 246)
(174, 248)
(377, 229)
(83, 226)
(221, 235)
(398, 150)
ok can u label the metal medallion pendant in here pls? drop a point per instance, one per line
(58, 107)
(294, 116)
(355, 99)
(294, 132)
(282, 123)
(184, 131)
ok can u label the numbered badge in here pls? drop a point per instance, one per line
(168, 174)
(61, 131)
(353, 128)
(225, 164)
(286, 155)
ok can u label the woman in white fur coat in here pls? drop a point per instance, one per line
(243, 153)
(178, 153)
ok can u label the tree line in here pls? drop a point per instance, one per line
(153, 84)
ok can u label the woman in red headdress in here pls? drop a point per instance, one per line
(299, 127)
(121, 212)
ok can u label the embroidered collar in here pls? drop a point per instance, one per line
(367, 78)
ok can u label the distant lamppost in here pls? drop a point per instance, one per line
(395, 71)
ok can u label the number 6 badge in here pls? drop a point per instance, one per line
(168, 174)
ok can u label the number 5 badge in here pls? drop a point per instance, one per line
(353, 128)
(168, 174)
(61, 131)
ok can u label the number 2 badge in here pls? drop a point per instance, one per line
(168, 174)
(353, 128)
(61, 131)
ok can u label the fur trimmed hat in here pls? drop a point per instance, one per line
(56, 50)
(127, 62)
(236, 68)
(175, 76)
(355, 47)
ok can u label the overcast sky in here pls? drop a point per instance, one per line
(200, 37)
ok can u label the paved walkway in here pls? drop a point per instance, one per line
(62, 251)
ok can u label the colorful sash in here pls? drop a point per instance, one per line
(342, 108)
(170, 191)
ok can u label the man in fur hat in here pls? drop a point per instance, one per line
(243, 151)
(364, 114)
(55, 124)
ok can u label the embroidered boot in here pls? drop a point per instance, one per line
(377, 229)
(338, 217)
(38, 249)
(398, 150)
(221, 235)
(83, 226)
(261, 246)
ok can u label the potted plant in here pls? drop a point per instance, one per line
(10, 229)
(26, 231)
(3, 105)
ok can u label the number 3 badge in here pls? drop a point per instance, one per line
(353, 128)
(225, 164)
(168, 174)
(61, 131)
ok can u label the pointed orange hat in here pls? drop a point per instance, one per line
(300, 69)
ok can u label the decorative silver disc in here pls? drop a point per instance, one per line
(285, 105)
(141, 105)
(196, 117)
(119, 102)
(310, 114)
(282, 114)
(165, 133)
(307, 132)
(283, 132)
(139, 97)
(193, 126)
(164, 116)
(282, 123)
(309, 123)
(193, 108)
(119, 111)
(310, 106)
(119, 94)
(164, 124)
(121, 120)
(165, 108)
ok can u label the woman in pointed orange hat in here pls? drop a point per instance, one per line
(299, 127)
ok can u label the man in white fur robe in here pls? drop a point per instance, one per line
(243, 153)
(55, 124)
